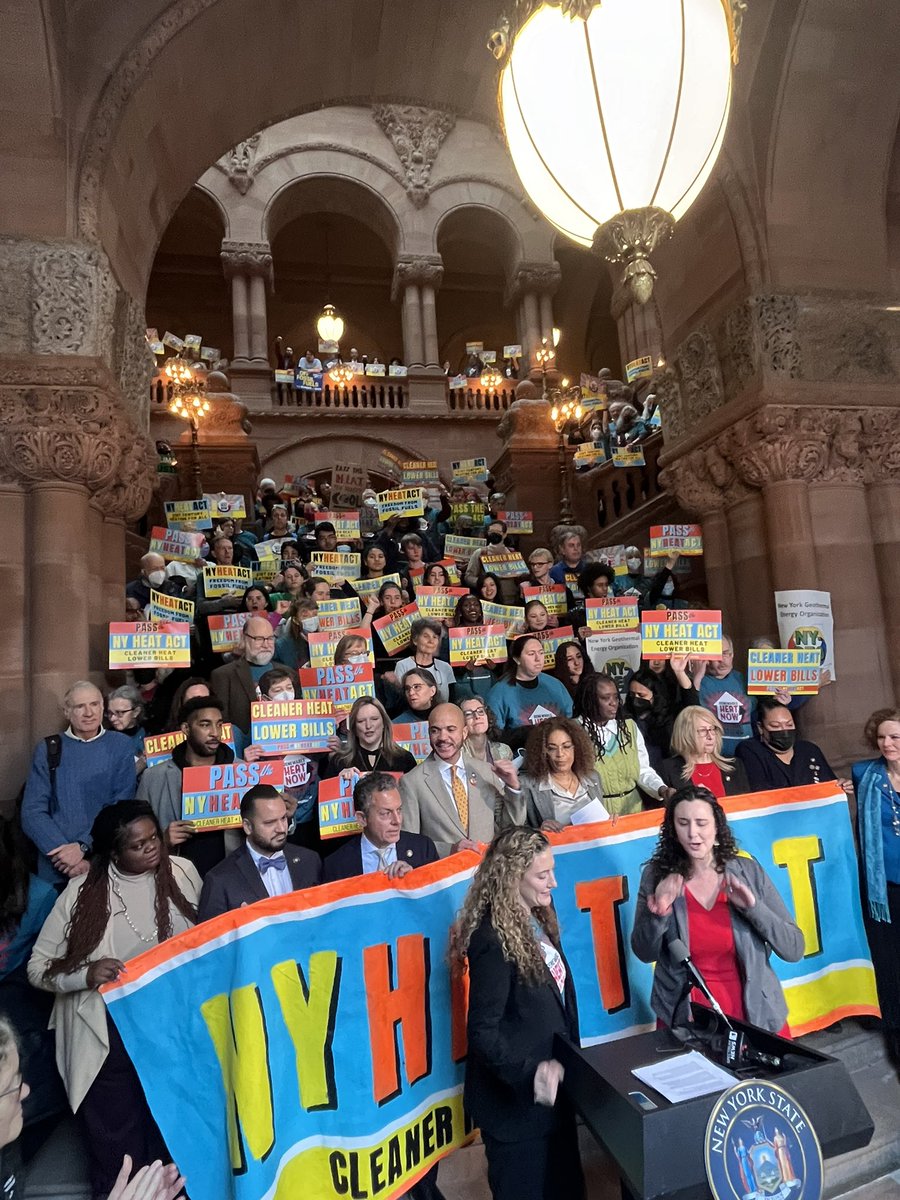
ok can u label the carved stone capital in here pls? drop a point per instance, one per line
(416, 133)
(239, 163)
(689, 482)
(417, 268)
(880, 445)
(247, 258)
(538, 277)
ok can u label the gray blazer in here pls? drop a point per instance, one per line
(539, 801)
(429, 808)
(765, 927)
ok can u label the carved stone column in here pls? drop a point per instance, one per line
(15, 684)
(248, 266)
(881, 472)
(531, 286)
(416, 279)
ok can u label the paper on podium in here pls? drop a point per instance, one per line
(685, 1076)
(592, 811)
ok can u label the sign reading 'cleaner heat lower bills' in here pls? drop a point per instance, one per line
(794, 671)
(329, 1031)
(281, 727)
(665, 633)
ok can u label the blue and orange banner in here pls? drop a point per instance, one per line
(330, 1036)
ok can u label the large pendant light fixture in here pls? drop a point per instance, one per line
(329, 326)
(615, 112)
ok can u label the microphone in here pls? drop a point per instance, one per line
(680, 954)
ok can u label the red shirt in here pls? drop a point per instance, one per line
(712, 949)
(709, 776)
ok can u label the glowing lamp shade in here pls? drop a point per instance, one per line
(625, 110)
(329, 326)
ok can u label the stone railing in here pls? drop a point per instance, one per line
(375, 394)
(479, 400)
(612, 497)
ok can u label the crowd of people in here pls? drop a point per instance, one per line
(98, 863)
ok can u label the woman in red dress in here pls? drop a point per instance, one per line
(723, 906)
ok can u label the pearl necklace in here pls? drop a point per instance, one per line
(148, 941)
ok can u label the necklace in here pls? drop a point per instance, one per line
(895, 806)
(149, 941)
(571, 784)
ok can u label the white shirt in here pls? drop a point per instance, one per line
(77, 737)
(276, 883)
(446, 770)
(371, 860)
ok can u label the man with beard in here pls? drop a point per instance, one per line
(200, 721)
(237, 682)
(266, 865)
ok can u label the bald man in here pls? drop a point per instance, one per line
(236, 684)
(458, 802)
(152, 577)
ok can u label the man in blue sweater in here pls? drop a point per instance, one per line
(95, 768)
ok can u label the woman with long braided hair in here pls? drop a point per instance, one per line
(622, 763)
(520, 995)
(133, 896)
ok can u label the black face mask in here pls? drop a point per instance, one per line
(639, 705)
(781, 739)
(494, 539)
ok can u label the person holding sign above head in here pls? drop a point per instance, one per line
(777, 759)
(458, 801)
(382, 846)
(521, 995)
(622, 761)
(697, 889)
(697, 756)
(525, 696)
(425, 635)
(133, 897)
(266, 865)
(559, 783)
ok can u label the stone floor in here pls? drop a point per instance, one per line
(58, 1170)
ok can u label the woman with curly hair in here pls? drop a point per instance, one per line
(134, 896)
(520, 995)
(723, 906)
(559, 779)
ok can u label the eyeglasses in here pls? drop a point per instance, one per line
(471, 713)
(261, 641)
(120, 712)
(16, 1088)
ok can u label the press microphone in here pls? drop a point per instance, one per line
(680, 954)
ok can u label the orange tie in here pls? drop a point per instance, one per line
(461, 797)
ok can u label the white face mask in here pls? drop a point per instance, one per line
(282, 695)
(157, 578)
(358, 658)
(310, 624)
(633, 564)
(343, 549)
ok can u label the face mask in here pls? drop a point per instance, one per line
(494, 539)
(282, 695)
(633, 564)
(640, 705)
(370, 502)
(310, 624)
(668, 588)
(781, 739)
(343, 549)
(358, 658)
(157, 578)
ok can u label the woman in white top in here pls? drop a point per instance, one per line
(133, 896)
(559, 779)
(425, 635)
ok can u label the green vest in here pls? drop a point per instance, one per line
(618, 770)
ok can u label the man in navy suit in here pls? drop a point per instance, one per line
(264, 866)
(382, 845)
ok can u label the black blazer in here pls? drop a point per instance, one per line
(236, 881)
(510, 1030)
(346, 862)
(734, 779)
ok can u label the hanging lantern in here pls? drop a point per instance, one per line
(491, 379)
(329, 326)
(614, 114)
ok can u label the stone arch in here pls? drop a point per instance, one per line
(532, 237)
(313, 455)
(322, 177)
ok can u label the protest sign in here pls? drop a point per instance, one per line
(681, 631)
(513, 351)
(194, 514)
(616, 654)
(307, 381)
(612, 613)
(170, 608)
(404, 502)
(368, 587)
(375, 369)
(346, 524)
(211, 796)
(348, 482)
(226, 504)
(149, 644)
(794, 671)
(510, 616)
(323, 644)
(676, 539)
(589, 455)
(270, 549)
(293, 483)
(339, 614)
(628, 456)
(594, 392)
(508, 564)
(390, 463)
(178, 545)
(225, 630)
(267, 571)
(439, 603)
(419, 471)
(281, 727)
(474, 348)
(468, 508)
(223, 581)
(337, 813)
(284, 375)
(334, 565)
(414, 738)
(457, 383)
(462, 548)
(470, 470)
(805, 623)
(613, 556)
(397, 371)
(477, 643)
(394, 628)
(327, 1027)
(517, 521)
(639, 368)
(553, 597)
(158, 747)
(552, 639)
(341, 685)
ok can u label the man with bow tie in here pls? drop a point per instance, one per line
(265, 865)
